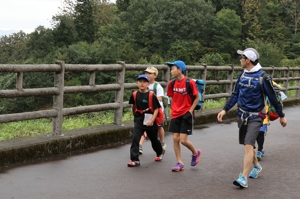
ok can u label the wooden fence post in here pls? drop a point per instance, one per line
(203, 77)
(287, 75)
(166, 78)
(120, 95)
(58, 100)
(230, 77)
(298, 84)
(19, 83)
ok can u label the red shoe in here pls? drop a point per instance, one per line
(159, 158)
(133, 163)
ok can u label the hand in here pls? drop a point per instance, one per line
(220, 115)
(149, 123)
(283, 121)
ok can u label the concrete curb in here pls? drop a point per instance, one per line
(22, 150)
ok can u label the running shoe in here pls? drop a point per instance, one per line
(133, 163)
(164, 146)
(241, 181)
(196, 158)
(259, 155)
(141, 149)
(159, 158)
(178, 167)
(255, 171)
(262, 153)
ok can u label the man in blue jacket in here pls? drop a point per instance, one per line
(249, 94)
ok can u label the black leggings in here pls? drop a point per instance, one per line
(260, 140)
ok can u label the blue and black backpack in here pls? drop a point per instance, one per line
(200, 86)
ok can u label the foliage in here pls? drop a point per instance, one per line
(270, 54)
(64, 31)
(235, 5)
(214, 59)
(292, 49)
(122, 5)
(40, 43)
(227, 31)
(12, 48)
(250, 17)
(161, 28)
(292, 8)
(290, 62)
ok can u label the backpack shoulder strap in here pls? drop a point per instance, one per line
(134, 97)
(155, 88)
(150, 101)
(261, 77)
(173, 83)
(188, 86)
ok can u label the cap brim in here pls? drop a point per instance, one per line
(170, 64)
(143, 78)
(149, 71)
(240, 52)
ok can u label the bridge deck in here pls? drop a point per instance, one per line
(104, 174)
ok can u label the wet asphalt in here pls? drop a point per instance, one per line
(104, 174)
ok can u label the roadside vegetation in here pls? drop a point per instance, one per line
(30, 128)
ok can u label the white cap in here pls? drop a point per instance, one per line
(250, 53)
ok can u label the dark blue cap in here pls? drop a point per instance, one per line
(143, 76)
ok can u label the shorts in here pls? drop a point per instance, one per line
(182, 124)
(248, 133)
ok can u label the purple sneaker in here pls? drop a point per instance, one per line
(196, 158)
(178, 167)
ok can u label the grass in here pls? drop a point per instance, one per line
(30, 128)
(219, 103)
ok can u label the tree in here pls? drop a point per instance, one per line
(235, 5)
(155, 25)
(269, 53)
(227, 31)
(122, 5)
(12, 48)
(251, 24)
(40, 42)
(292, 50)
(292, 8)
(104, 13)
(271, 22)
(68, 8)
(84, 20)
(64, 31)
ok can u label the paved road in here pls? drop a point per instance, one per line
(104, 174)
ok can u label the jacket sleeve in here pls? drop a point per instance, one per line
(233, 97)
(270, 93)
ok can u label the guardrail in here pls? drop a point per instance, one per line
(282, 75)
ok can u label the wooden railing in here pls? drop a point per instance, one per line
(283, 75)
